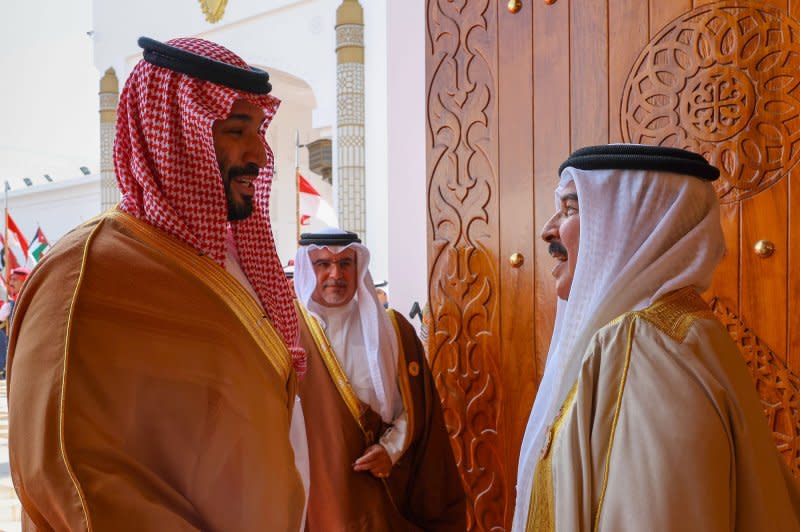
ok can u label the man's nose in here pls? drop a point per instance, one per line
(550, 229)
(336, 270)
(256, 151)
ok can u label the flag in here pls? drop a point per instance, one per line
(16, 240)
(38, 245)
(309, 200)
(13, 262)
(312, 205)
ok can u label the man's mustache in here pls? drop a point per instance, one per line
(338, 283)
(249, 169)
(557, 248)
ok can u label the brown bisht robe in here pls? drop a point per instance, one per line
(423, 491)
(147, 391)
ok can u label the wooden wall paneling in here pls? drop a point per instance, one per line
(794, 9)
(551, 145)
(763, 290)
(725, 284)
(793, 288)
(661, 12)
(588, 54)
(783, 5)
(462, 118)
(627, 36)
(517, 235)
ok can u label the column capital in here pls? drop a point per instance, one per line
(349, 12)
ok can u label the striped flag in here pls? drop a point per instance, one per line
(38, 245)
(16, 240)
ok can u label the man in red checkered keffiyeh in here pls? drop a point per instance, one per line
(167, 169)
(154, 355)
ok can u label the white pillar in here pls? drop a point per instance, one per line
(351, 201)
(109, 98)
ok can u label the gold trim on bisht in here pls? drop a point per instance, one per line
(541, 511)
(247, 309)
(675, 313)
(335, 370)
(403, 381)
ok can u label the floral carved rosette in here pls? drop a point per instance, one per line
(722, 80)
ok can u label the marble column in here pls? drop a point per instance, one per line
(109, 97)
(350, 189)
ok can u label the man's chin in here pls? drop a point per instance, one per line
(240, 210)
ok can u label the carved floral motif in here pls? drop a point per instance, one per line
(722, 80)
(777, 385)
(462, 261)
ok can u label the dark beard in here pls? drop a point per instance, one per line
(238, 211)
(557, 247)
(242, 210)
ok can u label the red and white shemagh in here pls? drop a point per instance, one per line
(169, 177)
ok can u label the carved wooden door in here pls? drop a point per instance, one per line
(513, 87)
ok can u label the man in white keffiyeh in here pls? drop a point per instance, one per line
(155, 353)
(646, 418)
(379, 453)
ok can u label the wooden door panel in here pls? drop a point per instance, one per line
(661, 12)
(509, 96)
(463, 246)
(517, 236)
(589, 73)
(793, 353)
(764, 296)
(725, 284)
(551, 145)
(628, 30)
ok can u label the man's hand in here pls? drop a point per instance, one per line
(375, 460)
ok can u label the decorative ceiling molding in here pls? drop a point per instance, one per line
(213, 9)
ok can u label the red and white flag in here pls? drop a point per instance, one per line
(312, 205)
(16, 240)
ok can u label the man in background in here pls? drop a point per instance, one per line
(378, 448)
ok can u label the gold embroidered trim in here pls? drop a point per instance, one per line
(541, 511)
(334, 368)
(63, 399)
(220, 282)
(675, 313)
(403, 381)
(617, 408)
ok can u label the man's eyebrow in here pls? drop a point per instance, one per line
(245, 118)
(572, 196)
(240, 117)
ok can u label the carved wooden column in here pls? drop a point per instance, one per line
(463, 247)
(109, 97)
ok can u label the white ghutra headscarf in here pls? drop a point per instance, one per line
(643, 234)
(379, 338)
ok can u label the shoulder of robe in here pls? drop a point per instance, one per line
(402, 322)
(66, 253)
(674, 315)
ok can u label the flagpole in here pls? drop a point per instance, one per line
(297, 147)
(6, 251)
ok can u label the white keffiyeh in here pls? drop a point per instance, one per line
(643, 234)
(379, 340)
